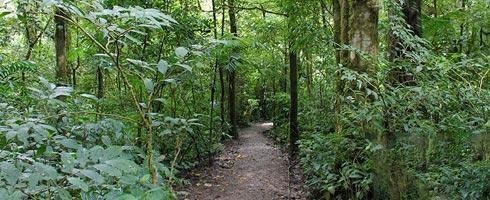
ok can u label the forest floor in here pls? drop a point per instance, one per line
(250, 168)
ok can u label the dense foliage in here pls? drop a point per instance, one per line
(112, 99)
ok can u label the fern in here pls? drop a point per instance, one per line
(8, 71)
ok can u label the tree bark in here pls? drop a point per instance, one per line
(363, 34)
(215, 70)
(411, 11)
(61, 44)
(293, 110)
(293, 80)
(232, 74)
(100, 82)
(358, 23)
(337, 29)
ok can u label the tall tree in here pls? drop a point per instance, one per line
(61, 45)
(401, 14)
(293, 78)
(356, 24)
(411, 13)
(232, 73)
(293, 109)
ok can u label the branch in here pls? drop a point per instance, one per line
(261, 9)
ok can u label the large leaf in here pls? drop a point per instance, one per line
(61, 91)
(64, 194)
(9, 172)
(150, 86)
(107, 169)
(122, 164)
(96, 177)
(181, 51)
(162, 67)
(69, 143)
(48, 172)
(4, 13)
(127, 197)
(157, 194)
(78, 183)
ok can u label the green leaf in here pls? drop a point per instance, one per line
(150, 86)
(107, 169)
(68, 162)
(122, 164)
(70, 143)
(61, 91)
(186, 67)
(127, 197)
(181, 52)
(90, 96)
(48, 172)
(133, 39)
(419, 68)
(93, 175)
(40, 151)
(78, 183)
(171, 80)
(10, 135)
(162, 67)
(10, 173)
(63, 194)
(157, 194)
(4, 13)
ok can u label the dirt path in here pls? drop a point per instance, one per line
(250, 168)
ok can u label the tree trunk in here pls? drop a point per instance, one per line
(284, 80)
(358, 23)
(61, 44)
(215, 70)
(293, 110)
(337, 29)
(100, 83)
(293, 80)
(232, 74)
(411, 11)
(363, 34)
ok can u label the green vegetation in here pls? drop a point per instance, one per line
(113, 99)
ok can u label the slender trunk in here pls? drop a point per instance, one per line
(481, 38)
(61, 44)
(337, 29)
(284, 80)
(222, 97)
(215, 69)
(232, 73)
(100, 83)
(324, 15)
(78, 62)
(293, 81)
(221, 74)
(309, 75)
(293, 110)
(342, 9)
(411, 11)
(74, 72)
(461, 29)
(434, 3)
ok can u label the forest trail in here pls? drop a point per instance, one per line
(250, 168)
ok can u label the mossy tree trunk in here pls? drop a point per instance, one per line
(356, 26)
